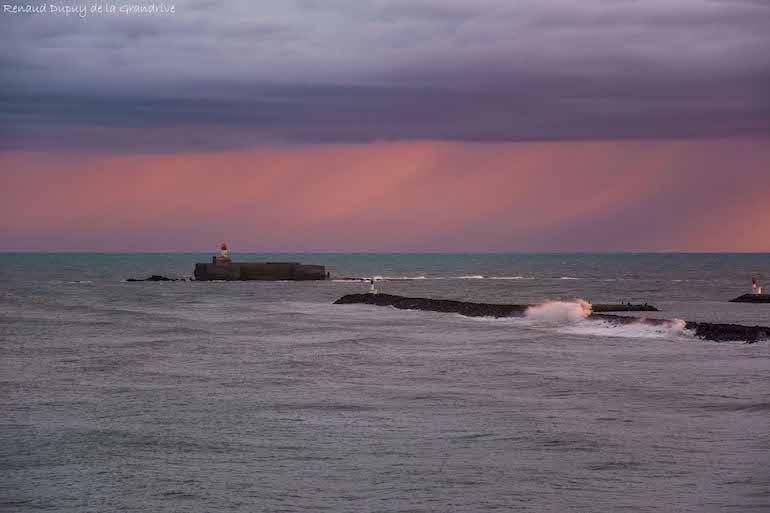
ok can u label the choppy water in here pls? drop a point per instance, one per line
(255, 396)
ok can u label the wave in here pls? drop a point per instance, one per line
(673, 329)
(569, 278)
(423, 277)
(397, 278)
(559, 311)
(573, 317)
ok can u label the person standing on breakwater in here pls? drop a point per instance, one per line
(372, 288)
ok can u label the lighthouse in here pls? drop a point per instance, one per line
(224, 255)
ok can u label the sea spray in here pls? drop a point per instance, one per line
(560, 311)
(677, 326)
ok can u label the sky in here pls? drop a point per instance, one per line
(387, 125)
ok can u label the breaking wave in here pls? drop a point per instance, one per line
(560, 311)
(572, 317)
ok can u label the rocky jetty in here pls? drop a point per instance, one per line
(624, 307)
(468, 308)
(435, 305)
(705, 330)
(752, 298)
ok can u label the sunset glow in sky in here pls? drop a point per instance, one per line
(425, 196)
(383, 125)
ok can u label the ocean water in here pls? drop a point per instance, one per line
(264, 396)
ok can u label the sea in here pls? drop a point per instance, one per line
(192, 396)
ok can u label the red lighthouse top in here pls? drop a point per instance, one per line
(223, 247)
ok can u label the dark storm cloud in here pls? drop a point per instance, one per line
(239, 73)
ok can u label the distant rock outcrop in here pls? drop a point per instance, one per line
(155, 277)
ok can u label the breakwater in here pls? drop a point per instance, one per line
(718, 332)
(471, 309)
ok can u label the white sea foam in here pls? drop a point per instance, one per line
(569, 278)
(390, 278)
(423, 277)
(511, 277)
(559, 311)
(675, 328)
(571, 317)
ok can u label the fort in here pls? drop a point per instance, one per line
(234, 271)
(222, 267)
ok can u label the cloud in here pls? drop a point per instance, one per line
(343, 70)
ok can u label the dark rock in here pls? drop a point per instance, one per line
(752, 298)
(154, 277)
(728, 332)
(435, 305)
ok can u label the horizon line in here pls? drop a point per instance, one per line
(325, 252)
